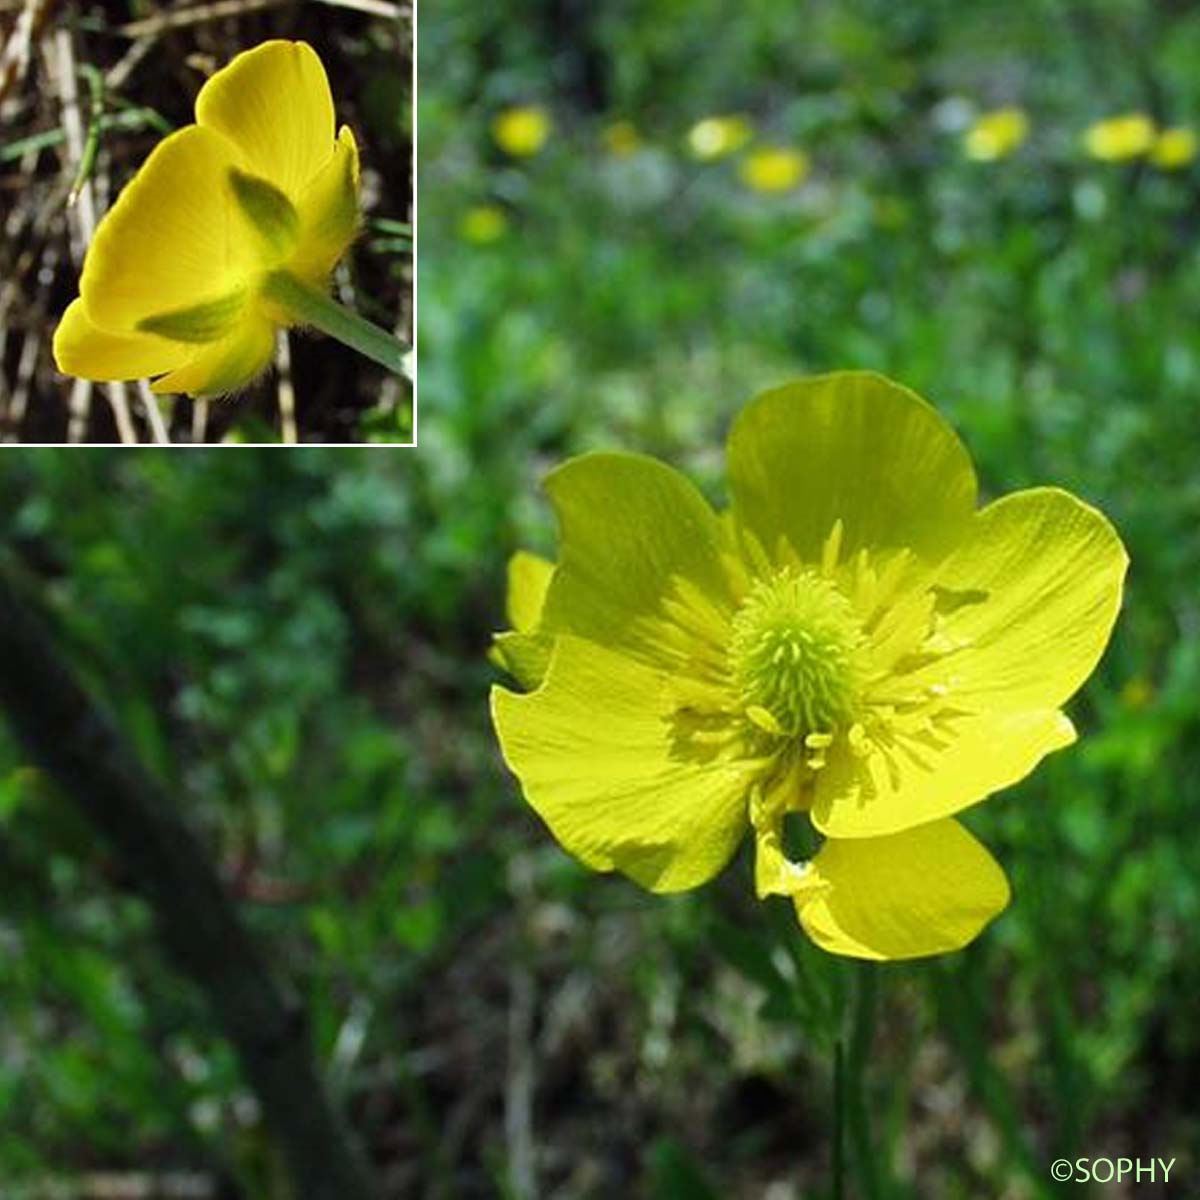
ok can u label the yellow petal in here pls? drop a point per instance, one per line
(603, 762)
(274, 104)
(329, 212)
(631, 529)
(522, 652)
(910, 783)
(774, 873)
(83, 350)
(528, 579)
(173, 240)
(1051, 570)
(224, 366)
(854, 447)
(928, 891)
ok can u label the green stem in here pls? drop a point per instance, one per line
(88, 160)
(858, 1121)
(839, 1125)
(311, 307)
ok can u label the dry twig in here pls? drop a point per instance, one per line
(84, 210)
(284, 390)
(154, 417)
(179, 17)
(14, 61)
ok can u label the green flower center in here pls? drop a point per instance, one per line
(796, 655)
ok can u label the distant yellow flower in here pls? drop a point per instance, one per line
(1137, 693)
(622, 139)
(996, 134)
(179, 276)
(483, 224)
(523, 131)
(1174, 148)
(718, 137)
(852, 642)
(773, 169)
(1120, 138)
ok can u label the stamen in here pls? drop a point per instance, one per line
(832, 550)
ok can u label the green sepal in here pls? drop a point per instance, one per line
(268, 210)
(198, 323)
(525, 656)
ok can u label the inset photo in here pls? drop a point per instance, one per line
(206, 227)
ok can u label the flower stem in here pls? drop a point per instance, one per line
(857, 1119)
(839, 1131)
(311, 307)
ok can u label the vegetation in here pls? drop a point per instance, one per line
(295, 645)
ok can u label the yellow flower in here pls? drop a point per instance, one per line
(176, 275)
(1174, 148)
(1120, 138)
(995, 134)
(483, 224)
(718, 137)
(622, 139)
(773, 169)
(853, 641)
(1137, 693)
(521, 132)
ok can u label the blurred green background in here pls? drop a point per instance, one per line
(296, 642)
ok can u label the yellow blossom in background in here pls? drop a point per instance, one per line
(853, 643)
(1174, 148)
(175, 282)
(1120, 138)
(718, 137)
(523, 131)
(1137, 693)
(773, 169)
(996, 134)
(483, 224)
(622, 139)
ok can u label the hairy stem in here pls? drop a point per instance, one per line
(307, 306)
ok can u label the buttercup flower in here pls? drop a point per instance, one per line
(188, 274)
(521, 132)
(483, 224)
(1174, 148)
(718, 137)
(1120, 138)
(852, 641)
(1137, 693)
(773, 169)
(995, 134)
(622, 138)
